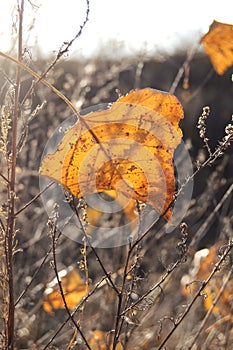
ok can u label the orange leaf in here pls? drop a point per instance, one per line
(128, 208)
(127, 148)
(99, 341)
(73, 287)
(204, 262)
(218, 44)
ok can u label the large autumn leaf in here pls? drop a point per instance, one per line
(128, 148)
(218, 44)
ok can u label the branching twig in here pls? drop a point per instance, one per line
(107, 274)
(66, 46)
(63, 50)
(42, 80)
(168, 272)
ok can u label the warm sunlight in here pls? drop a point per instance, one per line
(135, 25)
(116, 174)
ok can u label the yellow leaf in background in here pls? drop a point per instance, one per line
(129, 209)
(130, 144)
(204, 262)
(218, 44)
(73, 287)
(99, 341)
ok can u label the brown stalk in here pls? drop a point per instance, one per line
(11, 191)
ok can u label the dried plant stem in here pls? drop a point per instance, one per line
(63, 50)
(33, 199)
(33, 276)
(183, 68)
(120, 314)
(42, 80)
(118, 324)
(106, 273)
(54, 242)
(164, 277)
(11, 191)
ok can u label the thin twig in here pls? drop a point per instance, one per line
(2, 225)
(4, 178)
(182, 69)
(64, 49)
(199, 234)
(33, 199)
(45, 82)
(132, 272)
(107, 274)
(118, 326)
(34, 275)
(54, 242)
(84, 300)
(169, 270)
